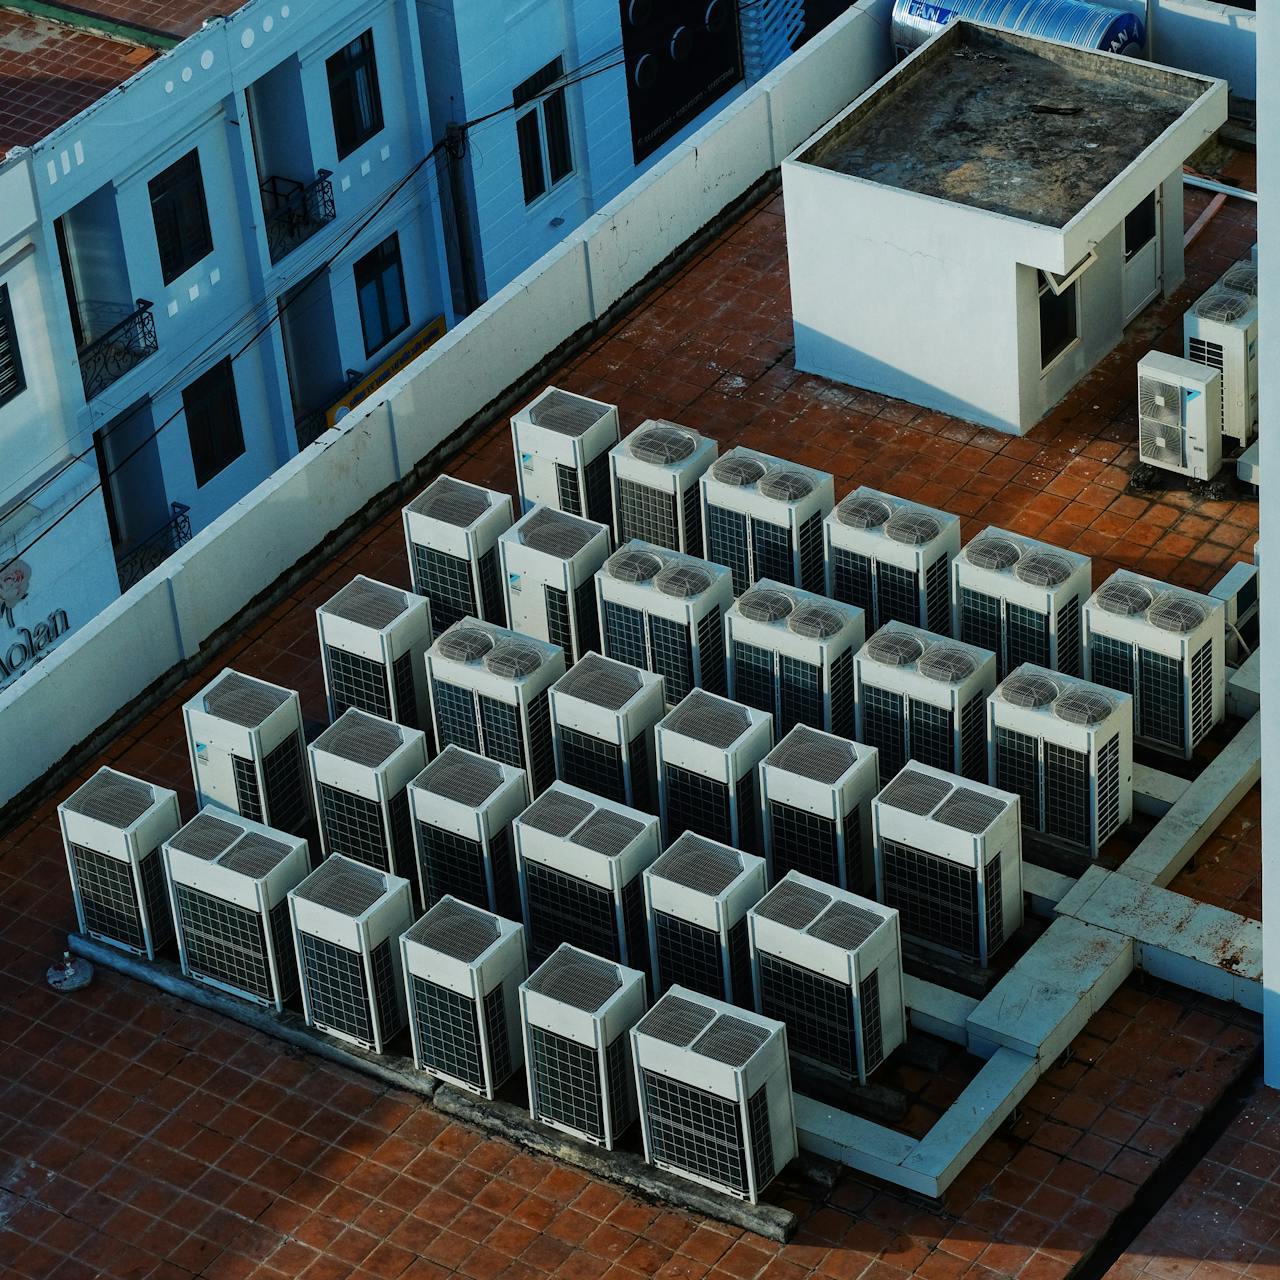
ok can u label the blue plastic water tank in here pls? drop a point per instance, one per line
(1090, 26)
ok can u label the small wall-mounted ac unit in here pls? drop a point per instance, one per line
(229, 882)
(655, 473)
(462, 969)
(1179, 416)
(1221, 331)
(562, 444)
(576, 1010)
(112, 829)
(1238, 591)
(714, 1085)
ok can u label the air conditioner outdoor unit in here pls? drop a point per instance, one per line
(489, 694)
(892, 558)
(1165, 646)
(562, 444)
(815, 793)
(462, 969)
(949, 859)
(112, 829)
(921, 697)
(347, 922)
(714, 1084)
(664, 612)
(656, 498)
(1065, 747)
(603, 715)
(1179, 416)
(791, 654)
(372, 638)
(762, 516)
(229, 882)
(245, 740)
(1221, 331)
(579, 859)
(549, 563)
(1238, 591)
(1242, 276)
(451, 533)
(828, 964)
(576, 1010)
(697, 895)
(1021, 599)
(708, 752)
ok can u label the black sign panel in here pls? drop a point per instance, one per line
(817, 14)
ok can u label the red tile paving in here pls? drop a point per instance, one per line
(169, 17)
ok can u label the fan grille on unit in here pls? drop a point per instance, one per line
(737, 469)
(662, 444)
(343, 886)
(1161, 443)
(243, 700)
(706, 718)
(763, 604)
(915, 792)
(369, 603)
(633, 565)
(863, 512)
(730, 1040)
(513, 659)
(785, 484)
(947, 663)
(565, 413)
(1243, 278)
(993, 553)
(361, 738)
(699, 864)
(451, 502)
(608, 832)
(462, 643)
(914, 528)
(601, 681)
(794, 905)
(112, 797)
(1175, 612)
(556, 812)
(206, 837)
(459, 775)
(894, 648)
(1225, 305)
(582, 981)
(556, 532)
(968, 810)
(254, 856)
(1124, 598)
(1043, 569)
(844, 925)
(683, 581)
(1029, 689)
(819, 756)
(1159, 402)
(675, 1020)
(457, 930)
(1083, 706)
(816, 621)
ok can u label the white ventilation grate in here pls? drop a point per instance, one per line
(454, 929)
(556, 533)
(462, 643)
(862, 512)
(113, 798)
(343, 886)
(368, 603)
(243, 700)
(451, 502)
(633, 565)
(565, 413)
(513, 659)
(706, 718)
(361, 738)
(763, 604)
(810, 754)
(206, 837)
(699, 864)
(915, 792)
(458, 775)
(581, 981)
(737, 469)
(601, 681)
(662, 444)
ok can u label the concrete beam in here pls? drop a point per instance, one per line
(861, 1144)
(937, 1010)
(1244, 686)
(1156, 792)
(1044, 888)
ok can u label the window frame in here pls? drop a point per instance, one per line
(343, 70)
(200, 237)
(1151, 203)
(207, 454)
(1070, 295)
(542, 122)
(9, 334)
(380, 270)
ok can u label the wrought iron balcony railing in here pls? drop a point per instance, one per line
(295, 212)
(126, 344)
(134, 564)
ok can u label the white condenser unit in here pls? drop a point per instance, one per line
(664, 612)
(892, 558)
(1221, 331)
(490, 694)
(576, 1010)
(580, 859)
(229, 882)
(549, 563)
(949, 860)
(562, 444)
(347, 922)
(361, 768)
(1179, 416)
(451, 533)
(1065, 748)
(762, 516)
(656, 498)
(815, 797)
(1242, 276)
(113, 827)
(1166, 647)
(245, 739)
(828, 964)
(714, 1084)
(922, 697)
(603, 715)
(709, 749)
(697, 896)
(791, 653)
(463, 806)
(372, 638)
(462, 970)
(1021, 599)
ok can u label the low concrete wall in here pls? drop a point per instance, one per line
(1211, 38)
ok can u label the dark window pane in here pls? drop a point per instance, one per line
(1058, 322)
(530, 140)
(557, 117)
(353, 94)
(213, 421)
(1140, 227)
(181, 216)
(11, 379)
(384, 307)
(544, 128)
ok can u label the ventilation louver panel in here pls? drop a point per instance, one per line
(661, 444)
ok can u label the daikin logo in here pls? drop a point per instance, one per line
(929, 12)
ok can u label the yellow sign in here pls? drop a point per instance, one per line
(387, 370)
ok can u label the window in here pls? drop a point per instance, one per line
(213, 421)
(11, 379)
(181, 216)
(353, 94)
(384, 309)
(542, 132)
(1140, 228)
(1059, 321)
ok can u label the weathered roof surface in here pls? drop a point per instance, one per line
(176, 18)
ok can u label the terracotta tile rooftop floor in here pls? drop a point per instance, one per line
(175, 18)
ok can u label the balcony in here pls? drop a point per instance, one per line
(128, 342)
(295, 212)
(133, 564)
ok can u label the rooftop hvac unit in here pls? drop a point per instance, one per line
(922, 698)
(462, 969)
(1221, 331)
(549, 563)
(1242, 276)
(361, 768)
(815, 793)
(828, 964)
(229, 882)
(1165, 646)
(579, 859)
(892, 558)
(949, 859)
(347, 920)
(714, 1084)
(656, 498)
(451, 533)
(1179, 416)
(762, 516)
(245, 740)
(576, 1010)
(1021, 599)
(1065, 747)
(489, 694)
(372, 638)
(112, 829)
(697, 895)
(562, 444)
(664, 612)
(708, 751)
(603, 715)
(791, 653)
